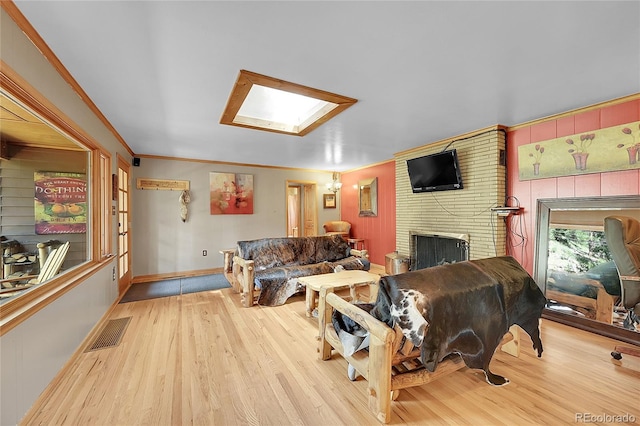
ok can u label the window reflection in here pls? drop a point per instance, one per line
(581, 276)
(45, 202)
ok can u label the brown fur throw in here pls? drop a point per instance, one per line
(279, 262)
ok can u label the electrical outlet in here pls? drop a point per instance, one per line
(113, 274)
(204, 252)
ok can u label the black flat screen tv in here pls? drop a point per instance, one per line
(435, 172)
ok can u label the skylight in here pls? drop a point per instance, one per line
(265, 103)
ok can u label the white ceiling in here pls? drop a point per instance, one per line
(161, 71)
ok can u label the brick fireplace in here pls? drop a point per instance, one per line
(464, 212)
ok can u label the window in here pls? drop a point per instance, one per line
(44, 154)
(265, 103)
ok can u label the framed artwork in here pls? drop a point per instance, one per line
(230, 193)
(60, 203)
(329, 201)
(603, 150)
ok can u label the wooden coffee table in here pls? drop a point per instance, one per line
(340, 280)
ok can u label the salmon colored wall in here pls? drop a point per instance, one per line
(589, 185)
(379, 232)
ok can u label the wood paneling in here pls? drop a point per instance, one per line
(379, 232)
(20, 128)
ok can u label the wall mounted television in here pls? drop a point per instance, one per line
(435, 172)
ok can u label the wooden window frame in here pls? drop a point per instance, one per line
(17, 310)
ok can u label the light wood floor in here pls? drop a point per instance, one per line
(203, 359)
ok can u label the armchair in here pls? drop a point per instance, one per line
(623, 238)
(339, 227)
(49, 269)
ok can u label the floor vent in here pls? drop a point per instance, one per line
(110, 335)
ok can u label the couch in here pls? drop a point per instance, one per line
(266, 270)
(428, 323)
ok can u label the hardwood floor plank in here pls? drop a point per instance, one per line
(203, 359)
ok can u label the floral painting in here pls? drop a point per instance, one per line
(230, 193)
(60, 203)
(603, 150)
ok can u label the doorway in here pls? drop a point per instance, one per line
(302, 214)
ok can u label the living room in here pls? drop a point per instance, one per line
(163, 245)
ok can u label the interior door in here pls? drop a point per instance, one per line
(294, 203)
(310, 210)
(302, 215)
(124, 236)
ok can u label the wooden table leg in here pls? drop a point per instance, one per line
(373, 291)
(310, 301)
(352, 293)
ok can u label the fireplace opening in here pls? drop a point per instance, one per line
(429, 250)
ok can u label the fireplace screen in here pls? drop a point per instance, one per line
(433, 250)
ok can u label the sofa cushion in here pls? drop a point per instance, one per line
(289, 251)
(352, 262)
(274, 252)
(278, 284)
(330, 248)
(267, 277)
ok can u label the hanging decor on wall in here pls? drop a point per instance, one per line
(231, 193)
(185, 199)
(60, 203)
(603, 150)
(162, 184)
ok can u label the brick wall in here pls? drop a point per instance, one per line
(465, 211)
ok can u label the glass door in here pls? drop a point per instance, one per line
(124, 238)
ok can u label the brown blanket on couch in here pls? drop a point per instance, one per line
(280, 283)
(463, 308)
(279, 262)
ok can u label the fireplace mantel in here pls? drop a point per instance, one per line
(464, 237)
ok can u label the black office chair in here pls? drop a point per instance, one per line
(623, 238)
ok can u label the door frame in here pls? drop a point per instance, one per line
(308, 200)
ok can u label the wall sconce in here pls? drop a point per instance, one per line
(335, 185)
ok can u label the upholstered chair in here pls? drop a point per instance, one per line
(339, 227)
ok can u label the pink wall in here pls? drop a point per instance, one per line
(379, 232)
(589, 185)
